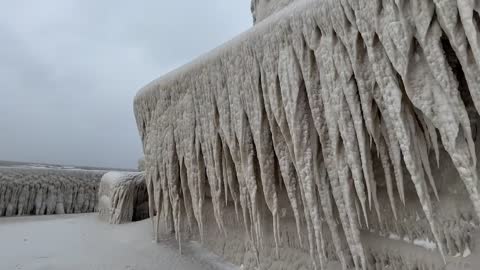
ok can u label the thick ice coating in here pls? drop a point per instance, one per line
(29, 191)
(122, 197)
(261, 9)
(307, 100)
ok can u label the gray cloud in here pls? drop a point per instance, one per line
(69, 70)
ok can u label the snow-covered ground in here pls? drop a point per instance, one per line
(81, 242)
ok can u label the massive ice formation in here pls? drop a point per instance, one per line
(28, 191)
(123, 197)
(310, 103)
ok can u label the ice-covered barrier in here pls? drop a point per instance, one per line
(123, 197)
(346, 107)
(30, 191)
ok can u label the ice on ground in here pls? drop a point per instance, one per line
(79, 242)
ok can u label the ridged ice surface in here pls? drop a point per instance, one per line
(28, 191)
(305, 101)
(123, 197)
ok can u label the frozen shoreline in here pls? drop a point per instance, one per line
(84, 242)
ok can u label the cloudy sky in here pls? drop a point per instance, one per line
(69, 70)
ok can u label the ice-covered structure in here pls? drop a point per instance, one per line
(261, 9)
(35, 191)
(355, 121)
(123, 197)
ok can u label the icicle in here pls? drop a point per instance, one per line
(376, 204)
(231, 178)
(288, 174)
(216, 183)
(359, 212)
(243, 190)
(201, 188)
(173, 178)
(310, 233)
(179, 218)
(426, 134)
(345, 179)
(389, 139)
(434, 140)
(224, 175)
(151, 194)
(421, 145)
(187, 202)
(325, 198)
(381, 147)
(160, 212)
(248, 162)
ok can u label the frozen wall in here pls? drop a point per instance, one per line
(345, 107)
(123, 197)
(28, 191)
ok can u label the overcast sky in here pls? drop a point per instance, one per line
(69, 70)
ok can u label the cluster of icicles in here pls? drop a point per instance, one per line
(47, 191)
(306, 97)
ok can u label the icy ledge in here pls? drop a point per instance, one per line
(304, 100)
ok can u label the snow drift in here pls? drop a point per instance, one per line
(311, 103)
(29, 191)
(123, 197)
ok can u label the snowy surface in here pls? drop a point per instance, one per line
(81, 242)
